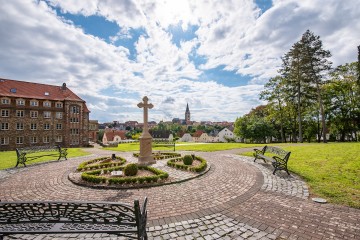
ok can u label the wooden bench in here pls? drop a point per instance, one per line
(23, 153)
(164, 144)
(73, 217)
(279, 160)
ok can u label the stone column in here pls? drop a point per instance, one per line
(145, 156)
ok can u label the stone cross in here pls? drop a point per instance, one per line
(145, 155)
(146, 106)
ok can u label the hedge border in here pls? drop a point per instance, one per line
(161, 155)
(84, 165)
(178, 164)
(93, 178)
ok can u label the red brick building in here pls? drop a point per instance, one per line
(34, 114)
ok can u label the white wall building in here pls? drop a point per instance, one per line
(225, 133)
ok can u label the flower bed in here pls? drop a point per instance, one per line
(195, 167)
(100, 176)
(100, 163)
(161, 155)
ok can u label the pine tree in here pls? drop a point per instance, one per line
(315, 67)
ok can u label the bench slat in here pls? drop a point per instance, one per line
(73, 217)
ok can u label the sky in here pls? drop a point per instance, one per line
(214, 55)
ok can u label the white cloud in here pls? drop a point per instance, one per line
(37, 45)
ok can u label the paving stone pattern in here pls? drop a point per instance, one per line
(236, 199)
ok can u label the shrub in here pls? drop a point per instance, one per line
(188, 160)
(131, 169)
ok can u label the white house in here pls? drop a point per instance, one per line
(225, 134)
(186, 138)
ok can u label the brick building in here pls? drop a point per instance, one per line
(38, 114)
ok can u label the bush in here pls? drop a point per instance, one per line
(131, 169)
(188, 160)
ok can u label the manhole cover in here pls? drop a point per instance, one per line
(319, 200)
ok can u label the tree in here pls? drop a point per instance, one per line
(303, 70)
(273, 94)
(316, 66)
(342, 101)
(253, 125)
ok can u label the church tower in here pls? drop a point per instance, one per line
(187, 113)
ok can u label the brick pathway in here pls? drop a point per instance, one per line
(236, 199)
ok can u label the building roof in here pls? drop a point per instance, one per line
(14, 88)
(198, 133)
(111, 134)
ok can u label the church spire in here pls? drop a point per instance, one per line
(187, 113)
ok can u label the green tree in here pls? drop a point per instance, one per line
(253, 126)
(342, 100)
(303, 70)
(316, 66)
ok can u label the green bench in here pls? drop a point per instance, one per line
(27, 153)
(279, 159)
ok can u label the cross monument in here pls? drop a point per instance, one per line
(145, 156)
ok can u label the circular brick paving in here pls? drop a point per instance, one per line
(236, 199)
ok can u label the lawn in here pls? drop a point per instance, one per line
(331, 170)
(201, 147)
(8, 158)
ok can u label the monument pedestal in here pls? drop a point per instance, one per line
(145, 156)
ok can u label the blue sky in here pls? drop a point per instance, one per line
(214, 55)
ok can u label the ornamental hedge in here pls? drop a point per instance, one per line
(85, 165)
(178, 163)
(162, 155)
(93, 176)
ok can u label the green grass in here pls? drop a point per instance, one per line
(8, 158)
(201, 147)
(331, 170)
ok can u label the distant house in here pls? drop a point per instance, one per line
(225, 134)
(161, 135)
(113, 136)
(186, 138)
(196, 136)
(93, 130)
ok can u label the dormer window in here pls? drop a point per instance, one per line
(47, 104)
(20, 102)
(5, 101)
(46, 93)
(34, 103)
(13, 90)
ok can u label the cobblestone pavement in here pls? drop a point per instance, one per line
(236, 199)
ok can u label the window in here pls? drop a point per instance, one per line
(58, 105)
(46, 126)
(19, 140)
(47, 104)
(19, 126)
(5, 101)
(34, 103)
(74, 141)
(74, 131)
(75, 109)
(58, 139)
(33, 139)
(46, 139)
(4, 141)
(33, 126)
(59, 115)
(34, 114)
(5, 113)
(58, 126)
(20, 113)
(74, 120)
(47, 114)
(20, 102)
(4, 126)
